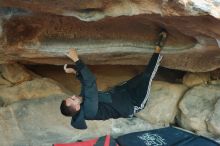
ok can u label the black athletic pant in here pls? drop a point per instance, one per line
(139, 86)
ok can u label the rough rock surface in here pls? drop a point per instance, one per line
(40, 113)
(94, 10)
(4, 82)
(39, 122)
(213, 123)
(192, 79)
(200, 107)
(19, 119)
(36, 88)
(41, 32)
(15, 73)
(162, 106)
(115, 32)
(18, 83)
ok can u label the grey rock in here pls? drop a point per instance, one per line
(162, 106)
(39, 122)
(199, 107)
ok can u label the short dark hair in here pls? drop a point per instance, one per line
(66, 110)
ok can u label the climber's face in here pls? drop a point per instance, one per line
(74, 102)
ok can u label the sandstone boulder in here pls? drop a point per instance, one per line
(192, 79)
(15, 73)
(39, 122)
(43, 32)
(4, 82)
(10, 130)
(36, 88)
(162, 105)
(95, 10)
(199, 107)
(213, 123)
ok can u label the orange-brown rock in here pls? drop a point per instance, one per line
(42, 31)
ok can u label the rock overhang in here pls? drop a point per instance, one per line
(32, 33)
(108, 33)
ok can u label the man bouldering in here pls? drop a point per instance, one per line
(122, 100)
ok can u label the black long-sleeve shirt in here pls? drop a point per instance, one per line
(96, 105)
